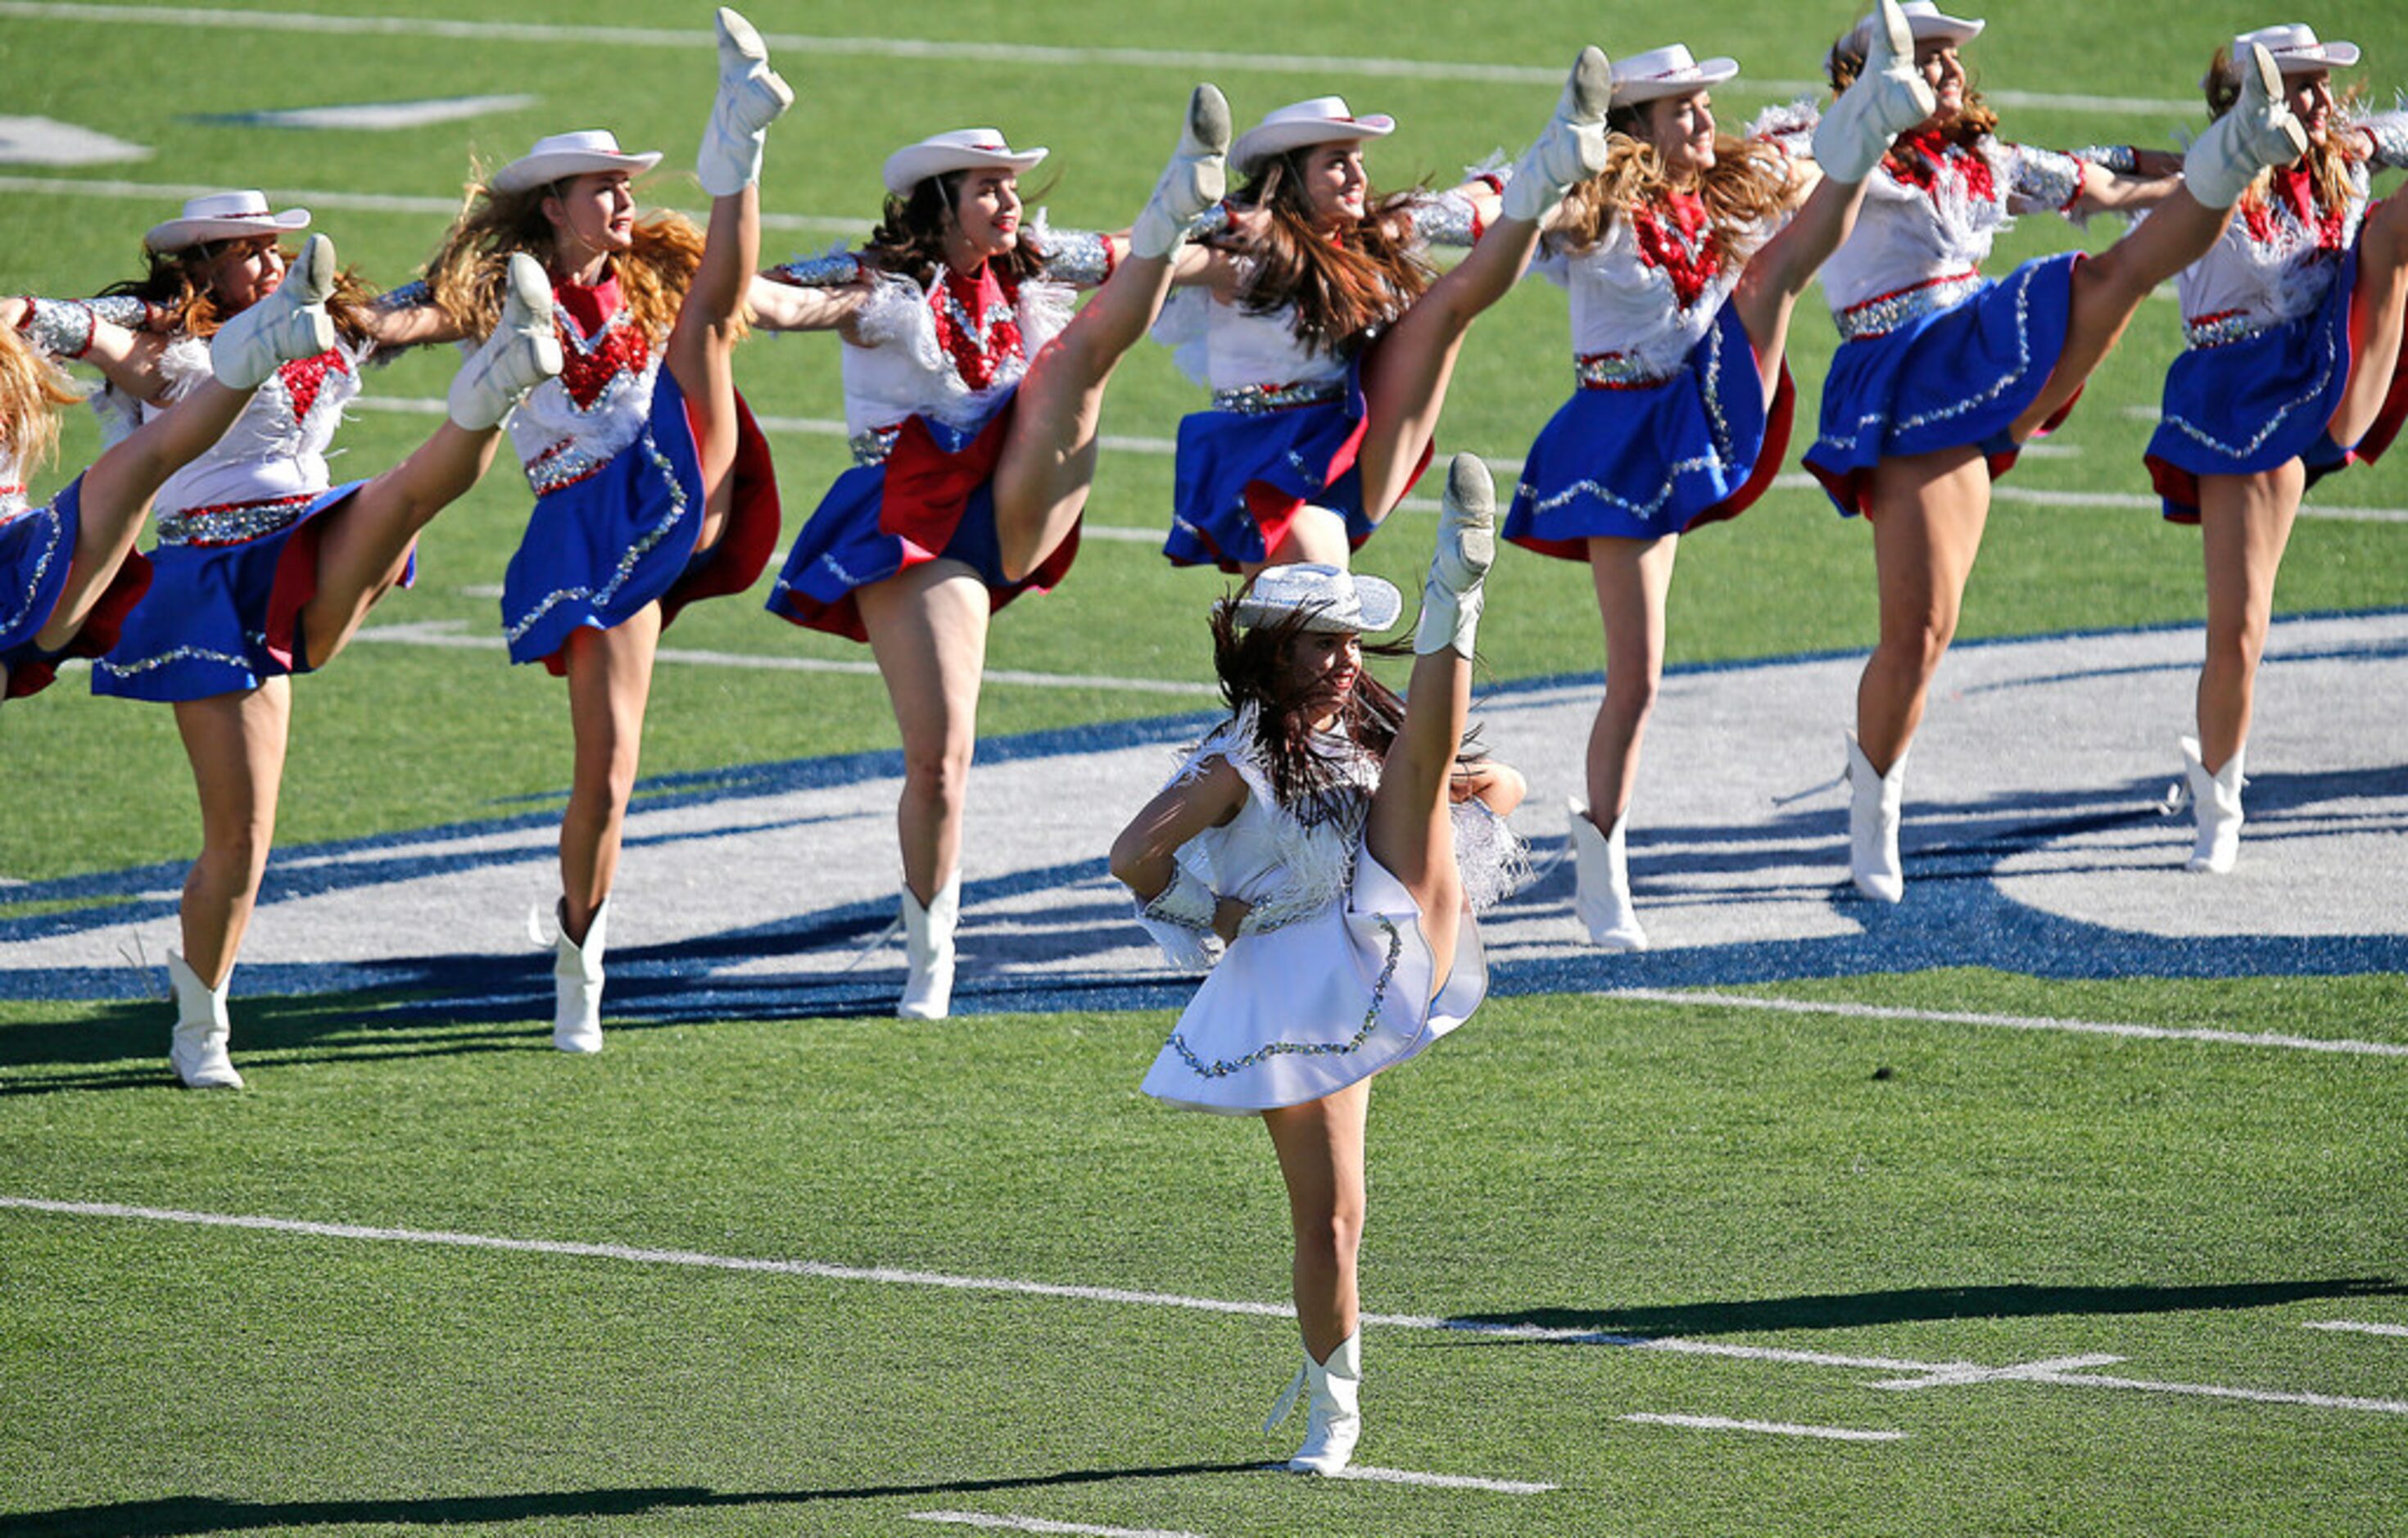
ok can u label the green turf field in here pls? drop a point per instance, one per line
(1737, 1181)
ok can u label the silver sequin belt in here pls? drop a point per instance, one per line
(873, 447)
(564, 464)
(1617, 371)
(1880, 316)
(1257, 399)
(2224, 328)
(233, 523)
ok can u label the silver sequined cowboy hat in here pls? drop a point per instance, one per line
(1666, 72)
(1324, 119)
(1327, 597)
(559, 155)
(224, 216)
(962, 150)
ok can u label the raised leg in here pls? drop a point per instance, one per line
(236, 743)
(1316, 535)
(367, 543)
(2245, 522)
(1927, 516)
(610, 682)
(1048, 463)
(1770, 285)
(2376, 316)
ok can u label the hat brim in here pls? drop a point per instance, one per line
(1268, 139)
(912, 164)
(1377, 603)
(2307, 61)
(529, 172)
(1951, 29)
(1679, 83)
(184, 234)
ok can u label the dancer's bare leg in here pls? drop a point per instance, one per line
(2245, 522)
(1928, 514)
(1320, 1148)
(609, 683)
(236, 743)
(927, 627)
(1315, 534)
(1770, 285)
(1632, 578)
(2376, 314)
(367, 543)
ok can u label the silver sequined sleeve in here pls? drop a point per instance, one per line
(1081, 258)
(60, 327)
(830, 269)
(2047, 178)
(2119, 158)
(415, 295)
(1446, 218)
(2389, 132)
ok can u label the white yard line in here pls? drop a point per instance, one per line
(2011, 1022)
(1184, 61)
(1038, 1524)
(1443, 1481)
(1907, 1374)
(456, 634)
(2360, 1328)
(1768, 1428)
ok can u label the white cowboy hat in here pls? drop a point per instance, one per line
(1926, 21)
(963, 149)
(224, 216)
(1666, 72)
(558, 155)
(2294, 49)
(1324, 119)
(1328, 597)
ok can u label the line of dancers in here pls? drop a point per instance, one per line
(1321, 852)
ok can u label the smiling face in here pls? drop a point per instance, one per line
(592, 216)
(1680, 130)
(1936, 57)
(1322, 669)
(1335, 187)
(985, 219)
(2311, 97)
(244, 272)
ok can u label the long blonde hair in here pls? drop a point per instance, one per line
(465, 273)
(1744, 191)
(31, 387)
(1340, 289)
(2329, 164)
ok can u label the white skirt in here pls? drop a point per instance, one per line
(1296, 1012)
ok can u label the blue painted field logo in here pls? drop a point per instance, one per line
(2035, 844)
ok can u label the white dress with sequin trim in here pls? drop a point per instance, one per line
(1329, 980)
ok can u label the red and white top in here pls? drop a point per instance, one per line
(951, 352)
(2277, 259)
(275, 454)
(570, 426)
(1643, 297)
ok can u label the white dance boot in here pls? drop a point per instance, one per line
(751, 96)
(1466, 547)
(928, 952)
(522, 352)
(1873, 801)
(1571, 148)
(2259, 131)
(197, 1052)
(1887, 98)
(2216, 802)
(1333, 1419)
(1197, 177)
(577, 983)
(1603, 898)
(290, 323)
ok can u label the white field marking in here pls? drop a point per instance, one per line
(2035, 1372)
(1770, 1428)
(2012, 1022)
(47, 141)
(1038, 1524)
(375, 117)
(1954, 1376)
(1439, 1481)
(2359, 1326)
(439, 208)
(455, 634)
(1185, 62)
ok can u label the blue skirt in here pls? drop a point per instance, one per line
(931, 498)
(1242, 474)
(35, 552)
(1644, 461)
(222, 619)
(1954, 378)
(2257, 404)
(597, 551)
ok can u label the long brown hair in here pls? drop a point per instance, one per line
(30, 387)
(1745, 189)
(2329, 164)
(1973, 123)
(911, 235)
(1341, 288)
(179, 283)
(1255, 667)
(465, 273)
